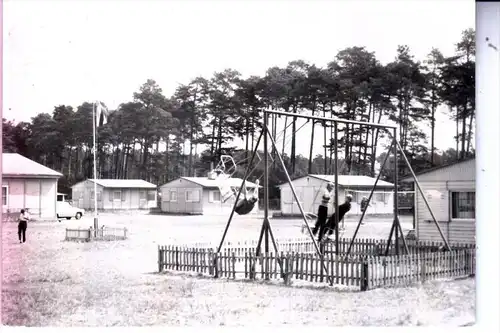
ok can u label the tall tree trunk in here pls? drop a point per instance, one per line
(247, 136)
(70, 158)
(190, 159)
(469, 134)
(464, 129)
(367, 132)
(212, 145)
(294, 129)
(129, 157)
(433, 125)
(167, 161)
(457, 136)
(116, 158)
(309, 167)
(253, 133)
(284, 137)
(325, 145)
(219, 137)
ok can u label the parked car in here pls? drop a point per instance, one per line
(66, 210)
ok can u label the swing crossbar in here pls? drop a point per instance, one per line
(338, 120)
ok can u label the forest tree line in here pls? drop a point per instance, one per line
(159, 138)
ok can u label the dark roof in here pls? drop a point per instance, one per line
(410, 177)
(17, 166)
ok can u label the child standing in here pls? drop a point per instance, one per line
(23, 225)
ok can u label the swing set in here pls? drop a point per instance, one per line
(266, 233)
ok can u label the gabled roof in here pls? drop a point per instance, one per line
(122, 183)
(409, 178)
(351, 181)
(17, 166)
(212, 183)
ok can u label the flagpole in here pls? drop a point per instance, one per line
(94, 120)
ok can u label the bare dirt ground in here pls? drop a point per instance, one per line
(50, 282)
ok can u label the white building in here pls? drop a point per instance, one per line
(199, 195)
(115, 194)
(28, 184)
(451, 193)
(309, 191)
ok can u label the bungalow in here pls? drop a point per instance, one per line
(451, 193)
(308, 190)
(28, 184)
(199, 195)
(112, 194)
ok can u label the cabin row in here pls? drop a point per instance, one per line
(449, 190)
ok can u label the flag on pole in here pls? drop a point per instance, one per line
(102, 114)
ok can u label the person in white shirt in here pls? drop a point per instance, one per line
(23, 225)
(323, 208)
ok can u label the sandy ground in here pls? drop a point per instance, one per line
(50, 282)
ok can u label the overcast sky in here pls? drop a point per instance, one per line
(68, 52)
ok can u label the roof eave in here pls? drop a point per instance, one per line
(18, 176)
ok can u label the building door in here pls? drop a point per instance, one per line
(308, 194)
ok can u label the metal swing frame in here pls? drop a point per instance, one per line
(266, 231)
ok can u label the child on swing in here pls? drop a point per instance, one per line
(247, 204)
(323, 208)
(331, 224)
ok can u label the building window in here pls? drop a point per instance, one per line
(193, 196)
(5, 196)
(173, 196)
(151, 195)
(463, 205)
(99, 195)
(214, 196)
(142, 195)
(379, 197)
(117, 195)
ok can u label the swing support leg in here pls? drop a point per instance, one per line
(369, 199)
(298, 203)
(238, 196)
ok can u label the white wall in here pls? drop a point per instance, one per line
(438, 195)
(38, 195)
(309, 191)
(180, 204)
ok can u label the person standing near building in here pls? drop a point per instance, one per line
(323, 208)
(23, 225)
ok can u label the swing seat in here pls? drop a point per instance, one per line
(311, 215)
(245, 207)
(226, 192)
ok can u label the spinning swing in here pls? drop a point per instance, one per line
(222, 174)
(227, 167)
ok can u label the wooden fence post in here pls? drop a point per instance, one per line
(177, 258)
(216, 266)
(160, 263)
(364, 276)
(423, 268)
(470, 262)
